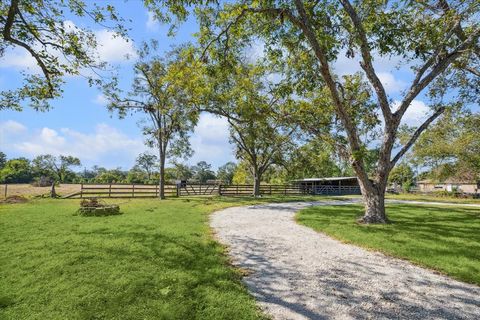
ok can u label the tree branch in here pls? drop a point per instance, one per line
(12, 11)
(367, 64)
(416, 134)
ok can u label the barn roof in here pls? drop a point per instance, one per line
(325, 179)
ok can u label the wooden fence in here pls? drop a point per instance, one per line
(172, 190)
(122, 191)
(247, 189)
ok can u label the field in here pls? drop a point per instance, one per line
(157, 260)
(446, 239)
(27, 190)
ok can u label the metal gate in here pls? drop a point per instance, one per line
(197, 189)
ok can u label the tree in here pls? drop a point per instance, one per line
(182, 171)
(202, 172)
(147, 162)
(226, 172)
(16, 171)
(451, 148)
(57, 168)
(42, 29)
(402, 175)
(3, 159)
(111, 176)
(136, 176)
(313, 159)
(437, 39)
(242, 174)
(164, 90)
(253, 106)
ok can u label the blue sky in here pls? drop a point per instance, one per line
(80, 125)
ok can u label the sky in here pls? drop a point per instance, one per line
(80, 125)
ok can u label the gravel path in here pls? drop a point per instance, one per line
(297, 273)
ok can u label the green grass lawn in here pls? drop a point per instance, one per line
(424, 197)
(446, 239)
(157, 260)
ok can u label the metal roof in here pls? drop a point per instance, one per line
(325, 179)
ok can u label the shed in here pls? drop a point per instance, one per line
(329, 185)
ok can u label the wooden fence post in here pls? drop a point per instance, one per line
(178, 189)
(110, 190)
(219, 189)
(133, 191)
(81, 190)
(6, 186)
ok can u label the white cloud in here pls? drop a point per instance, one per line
(114, 48)
(210, 141)
(390, 83)
(101, 100)
(416, 113)
(19, 59)
(152, 23)
(11, 127)
(106, 145)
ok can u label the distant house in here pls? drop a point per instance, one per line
(329, 185)
(450, 185)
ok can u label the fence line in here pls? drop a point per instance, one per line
(172, 190)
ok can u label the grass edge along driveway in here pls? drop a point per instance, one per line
(442, 238)
(158, 260)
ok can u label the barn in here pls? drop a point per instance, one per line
(329, 185)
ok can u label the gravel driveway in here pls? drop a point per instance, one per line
(297, 273)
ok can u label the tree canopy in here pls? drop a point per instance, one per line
(59, 47)
(437, 40)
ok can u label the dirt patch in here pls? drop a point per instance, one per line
(14, 199)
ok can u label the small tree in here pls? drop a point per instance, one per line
(55, 167)
(226, 172)
(402, 175)
(3, 159)
(164, 90)
(16, 171)
(202, 172)
(147, 162)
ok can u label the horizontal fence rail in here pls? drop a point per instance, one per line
(179, 190)
(173, 190)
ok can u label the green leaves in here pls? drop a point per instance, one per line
(59, 48)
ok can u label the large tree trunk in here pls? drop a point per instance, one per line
(374, 202)
(256, 183)
(161, 186)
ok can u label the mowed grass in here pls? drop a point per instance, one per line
(158, 260)
(446, 239)
(431, 198)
